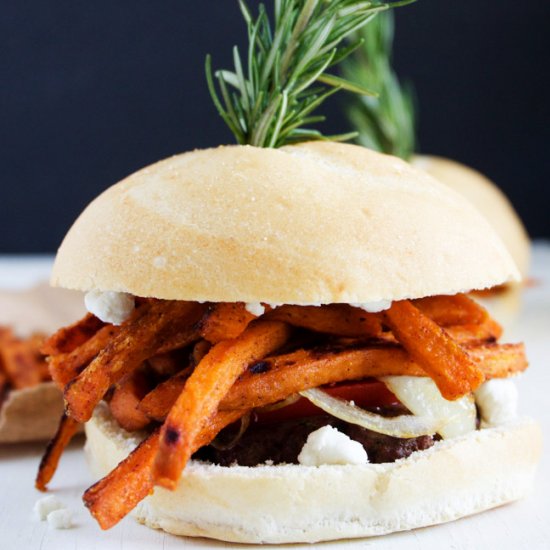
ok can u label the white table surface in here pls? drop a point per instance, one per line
(524, 524)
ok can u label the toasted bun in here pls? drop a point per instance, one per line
(313, 223)
(292, 503)
(488, 199)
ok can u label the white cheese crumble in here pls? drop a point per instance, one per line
(374, 307)
(110, 307)
(255, 308)
(497, 400)
(329, 446)
(60, 519)
(46, 505)
(54, 511)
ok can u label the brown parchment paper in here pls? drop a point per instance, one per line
(32, 414)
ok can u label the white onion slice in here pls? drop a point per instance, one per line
(245, 422)
(290, 400)
(422, 397)
(404, 426)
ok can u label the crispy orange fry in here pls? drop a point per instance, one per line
(200, 349)
(287, 374)
(284, 375)
(430, 346)
(446, 311)
(114, 496)
(125, 399)
(499, 360)
(203, 391)
(163, 397)
(164, 364)
(153, 324)
(489, 331)
(48, 465)
(486, 332)
(22, 365)
(224, 321)
(338, 319)
(67, 339)
(66, 366)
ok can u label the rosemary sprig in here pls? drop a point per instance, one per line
(387, 122)
(270, 100)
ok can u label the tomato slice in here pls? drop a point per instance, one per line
(365, 393)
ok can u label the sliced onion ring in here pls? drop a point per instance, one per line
(422, 397)
(404, 426)
(245, 422)
(290, 400)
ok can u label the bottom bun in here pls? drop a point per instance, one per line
(293, 503)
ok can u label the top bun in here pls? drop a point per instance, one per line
(305, 224)
(488, 199)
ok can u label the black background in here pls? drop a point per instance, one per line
(91, 91)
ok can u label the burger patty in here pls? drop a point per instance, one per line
(282, 443)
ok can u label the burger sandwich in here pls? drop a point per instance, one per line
(311, 299)
(279, 347)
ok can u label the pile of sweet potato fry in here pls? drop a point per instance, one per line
(185, 370)
(21, 363)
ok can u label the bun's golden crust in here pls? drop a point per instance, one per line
(292, 503)
(312, 223)
(488, 199)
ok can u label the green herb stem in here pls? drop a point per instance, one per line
(269, 101)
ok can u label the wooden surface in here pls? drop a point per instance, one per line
(525, 524)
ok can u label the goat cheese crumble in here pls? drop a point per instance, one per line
(60, 519)
(46, 505)
(255, 308)
(374, 307)
(327, 445)
(497, 400)
(53, 511)
(110, 307)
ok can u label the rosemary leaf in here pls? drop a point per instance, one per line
(269, 103)
(385, 123)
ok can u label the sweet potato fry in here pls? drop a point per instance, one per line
(183, 332)
(338, 319)
(203, 391)
(430, 346)
(457, 309)
(163, 397)
(114, 496)
(67, 339)
(164, 364)
(287, 374)
(499, 360)
(125, 399)
(23, 367)
(200, 349)
(66, 366)
(48, 465)
(154, 324)
(224, 321)
(171, 363)
(488, 331)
